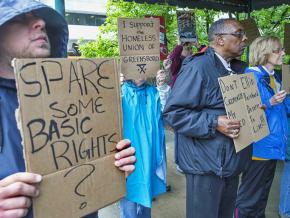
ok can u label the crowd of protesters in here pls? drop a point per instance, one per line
(186, 97)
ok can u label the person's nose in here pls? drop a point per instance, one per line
(283, 51)
(245, 38)
(38, 23)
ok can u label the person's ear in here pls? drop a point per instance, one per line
(220, 40)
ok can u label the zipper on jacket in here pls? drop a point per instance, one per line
(223, 159)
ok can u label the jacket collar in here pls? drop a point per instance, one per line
(217, 62)
(7, 83)
(130, 83)
(265, 74)
(237, 66)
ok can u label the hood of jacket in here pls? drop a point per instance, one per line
(56, 26)
(134, 87)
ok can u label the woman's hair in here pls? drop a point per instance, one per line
(261, 48)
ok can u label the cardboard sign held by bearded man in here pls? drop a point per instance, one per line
(70, 121)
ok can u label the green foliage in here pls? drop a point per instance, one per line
(106, 44)
(102, 47)
(269, 21)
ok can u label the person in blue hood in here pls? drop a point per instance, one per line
(28, 29)
(143, 124)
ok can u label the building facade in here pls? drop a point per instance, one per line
(84, 18)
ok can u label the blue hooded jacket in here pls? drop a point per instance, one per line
(274, 145)
(11, 151)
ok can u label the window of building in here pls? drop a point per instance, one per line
(85, 19)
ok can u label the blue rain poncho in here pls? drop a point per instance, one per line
(143, 125)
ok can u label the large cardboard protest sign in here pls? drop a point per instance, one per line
(287, 38)
(251, 30)
(186, 25)
(70, 120)
(286, 78)
(139, 47)
(242, 100)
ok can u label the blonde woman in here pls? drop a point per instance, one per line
(265, 53)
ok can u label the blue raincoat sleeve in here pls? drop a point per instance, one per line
(287, 104)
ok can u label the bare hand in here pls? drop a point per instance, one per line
(230, 128)
(278, 98)
(125, 158)
(160, 77)
(167, 64)
(16, 192)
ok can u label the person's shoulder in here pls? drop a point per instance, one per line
(252, 70)
(238, 66)
(197, 59)
(256, 72)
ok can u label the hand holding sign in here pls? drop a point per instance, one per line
(228, 127)
(125, 158)
(15, 193)
(278, 97)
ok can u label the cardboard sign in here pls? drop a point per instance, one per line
(251, 30)
(139, 47)
(242, 100)
(186, 25)
(70, 121)
(286, 78)
(287, 38)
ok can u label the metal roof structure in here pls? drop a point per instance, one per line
(222, 5)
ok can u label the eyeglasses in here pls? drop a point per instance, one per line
(239, 35)
(278, 50)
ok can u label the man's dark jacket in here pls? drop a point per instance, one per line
(192, 110)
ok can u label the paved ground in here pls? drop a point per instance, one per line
(172, 204)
